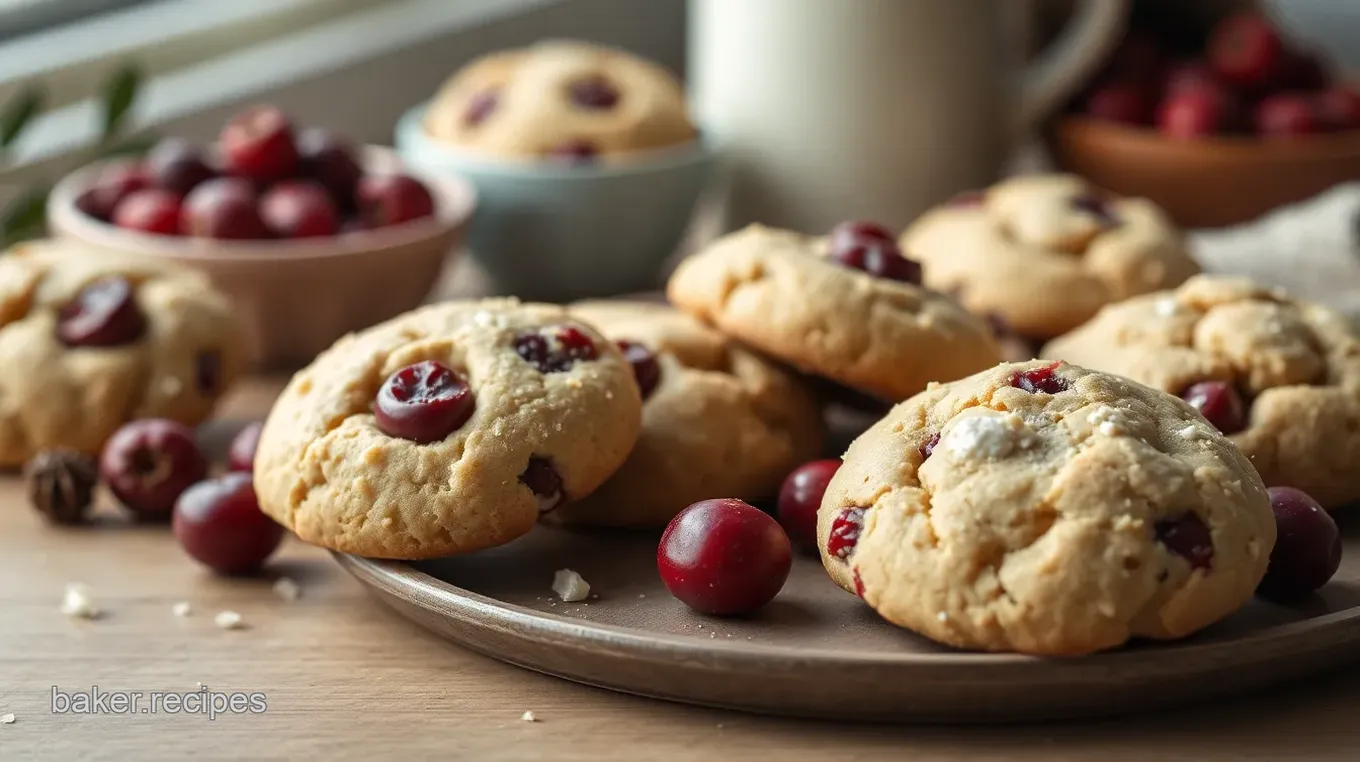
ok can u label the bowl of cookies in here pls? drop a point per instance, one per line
(587, 165)
(1218, 131)
(310, 235)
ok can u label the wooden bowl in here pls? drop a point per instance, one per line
(1204, 183)
(297, 297)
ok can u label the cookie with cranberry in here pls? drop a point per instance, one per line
(561, 101)
(1279, 376)
(717, 419)
(1046, 509)
(1045, 252)
(847, 307)
(90, 340)
(446, 430)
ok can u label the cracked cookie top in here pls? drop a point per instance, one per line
(1045, 252)
(1047, 509)
(446, 430)
(844, 307)
(1280, 376)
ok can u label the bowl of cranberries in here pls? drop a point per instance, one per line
(1218, 129)
(311, 235)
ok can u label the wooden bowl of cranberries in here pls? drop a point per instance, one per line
(312, 236)
(1219, 133)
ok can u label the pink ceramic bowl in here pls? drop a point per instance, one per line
(297, 297)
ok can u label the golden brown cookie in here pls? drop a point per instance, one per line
(844, 307)
(446, 430)
(717, 419)
(559, 99)
(1046, 509)
(1045, 252)
(90, 340)
(1281, 377)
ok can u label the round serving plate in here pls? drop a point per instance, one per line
(817, 651)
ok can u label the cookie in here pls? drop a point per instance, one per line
(846, 307)
(562, 100)
(1045, 252)
(717, 420)
(1281, 377)
(446, 430)
(90, 340)
(1046, 509)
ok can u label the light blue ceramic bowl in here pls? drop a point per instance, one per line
(557, 233)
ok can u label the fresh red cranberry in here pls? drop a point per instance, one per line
(1219, 403)
(594, 93)
(1121, 102)
(799, 498)
(881, 260)
(1044, 379)
(148, 463)
(845, 530)
(575, 151)
(385, 200)
(150, 210)
(646, 369)
(424, 402)
(848, 235)
(331, 160)
(241, 453)
(299, 209)
(544, 481)
(1286, 116)
(555, 349)
(968, 200)
(1246, 51)
(103, 314)
(1197, 112)
(225, 208)
(1188, 75)
(1339, 108)
(480, 107)
(177, 166)
(111, 186)
(219, 523)
(1307, 546)
(208, 371)
(258, 144)
(1187, 536)
(723, 557)
(928, 448)
(1097, 206)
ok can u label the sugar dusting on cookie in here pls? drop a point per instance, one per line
(1166, 306)
(1110, 421)
(987, 437)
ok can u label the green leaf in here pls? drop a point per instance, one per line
(18, 112)
(25, 216)
(117, 98)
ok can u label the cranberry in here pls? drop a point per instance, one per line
(859, 583)
(555, 349)
(575, 151)
(544, 481)
(1246, 51)
(1197, 112)
(848, 235)
(110, 187)
(177, 166)
(1097, 206)
(593, 93)
(1286, 116)
(928, 448)
(1219, 403)
(148, 463)
(332, 161)
(208, 371)
(845, 530)
(424, 402)
(724, 557)
(258, 144)
(1188, 537)
(150, 210)
(219, 523)
(224, 208)
(881, 260)
(799, 498)
(1188, 75)
(646, 369)
(480, 107)
(104, 314)
(1044, 379)
(1307, 546)
(385, 200)
(241, 453)
(1122, 102)
(299, 209)
(968, 199)
(1339, 108)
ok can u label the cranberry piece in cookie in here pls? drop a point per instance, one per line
(799, 498)
(544, 481)
(928, 448)
(1036, 380)
(480, 107)
(556, 349)
(103, 314)
(1096, 206)
(724, 557)
(884, 260)
(593, 93)
(1307, 547)
(858, 232)
(1188, 537)
(646, 369)
(577, 151)
(424, 402)
(845, 530)
(1219, 403)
